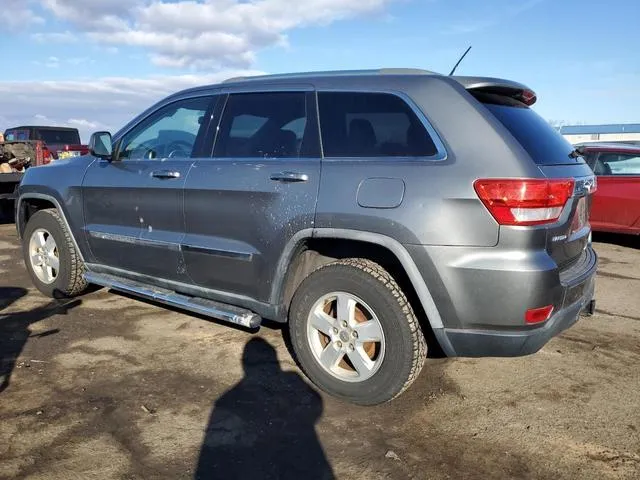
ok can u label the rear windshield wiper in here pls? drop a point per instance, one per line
(578, 152)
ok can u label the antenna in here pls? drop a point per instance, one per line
(461, 58)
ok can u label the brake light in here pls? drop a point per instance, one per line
(524, 202)
(46, 156)
(528, 97)
(538, 315)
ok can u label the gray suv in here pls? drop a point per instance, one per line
(376, 212)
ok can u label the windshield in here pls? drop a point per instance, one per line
(541, 141)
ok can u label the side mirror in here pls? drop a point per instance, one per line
(100, 145)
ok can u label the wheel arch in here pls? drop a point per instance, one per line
(30, 203)
(313, 248)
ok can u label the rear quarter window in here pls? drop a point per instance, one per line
(363, 125)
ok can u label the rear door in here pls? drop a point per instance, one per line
(243, 205)
(569, 236)
(616, 205)
(134, 207)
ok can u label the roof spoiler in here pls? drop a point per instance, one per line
(499, 86)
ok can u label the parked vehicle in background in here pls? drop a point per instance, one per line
(616, 205)
(62, 142)
(369, 210)
(15, 158)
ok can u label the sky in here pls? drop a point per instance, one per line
(95, 64)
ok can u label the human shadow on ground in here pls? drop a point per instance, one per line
(14, 328)
(264, 427)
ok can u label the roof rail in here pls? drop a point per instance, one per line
(333, 73)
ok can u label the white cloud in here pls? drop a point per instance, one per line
(83, 123)
(55, 37)
(202, 33)
(51, 62)
(92, 104)
(489, 18)
(75, 61)
(16, 15)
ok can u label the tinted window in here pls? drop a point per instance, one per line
(53, 137)
(541, 141)
(246, 126)
(371, 125)
(15, 135)
(171, 132)
(264, 125)
(617, 164)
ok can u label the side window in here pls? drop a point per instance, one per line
(264, 125)
(618, 164)
(371, 125)
(171, 132)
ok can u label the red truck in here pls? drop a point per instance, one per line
(31, 146)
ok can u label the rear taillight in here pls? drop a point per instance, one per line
(46, 156)
(524, 201)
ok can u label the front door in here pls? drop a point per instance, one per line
(243, 205)
(133, 206)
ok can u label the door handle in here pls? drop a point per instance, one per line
(290, 177)
(165, 174)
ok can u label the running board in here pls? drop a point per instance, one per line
(209, 308)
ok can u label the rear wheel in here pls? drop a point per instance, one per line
(355, 334)
(51, 257)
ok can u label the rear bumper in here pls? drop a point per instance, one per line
(461, 342)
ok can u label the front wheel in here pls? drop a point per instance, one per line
(355, 334)
(51, 257)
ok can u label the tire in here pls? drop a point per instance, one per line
(394, 362)
(69, 280)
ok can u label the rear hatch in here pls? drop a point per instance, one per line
(62, 142)
(567, 236)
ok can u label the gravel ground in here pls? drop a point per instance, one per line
(109, 387)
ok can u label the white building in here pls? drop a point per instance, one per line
(601, 133)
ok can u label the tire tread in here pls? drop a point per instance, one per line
(77, 284)
(417, 339)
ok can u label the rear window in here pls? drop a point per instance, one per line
(53, 136)
(541, 141)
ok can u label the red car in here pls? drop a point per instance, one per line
(616, 204)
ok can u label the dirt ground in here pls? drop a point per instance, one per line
(108, 387)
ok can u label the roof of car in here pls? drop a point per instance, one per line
(330, 74)
(469, 82)
(43, 127)
(354, 76)
(623, 147)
